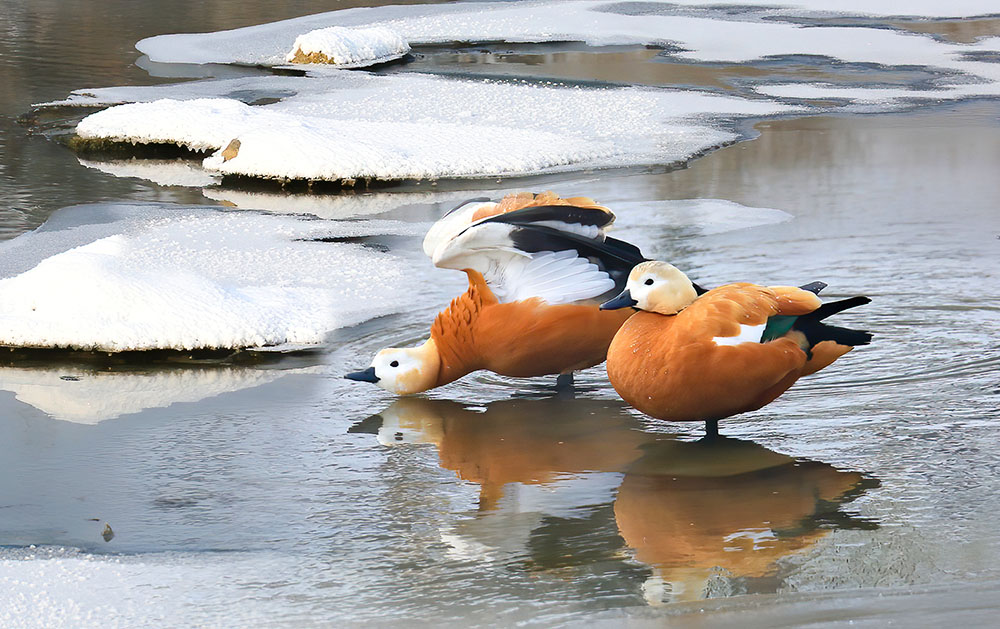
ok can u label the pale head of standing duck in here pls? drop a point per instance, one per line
(655, 287)
(403, 370)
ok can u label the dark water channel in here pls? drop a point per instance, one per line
(279, 494)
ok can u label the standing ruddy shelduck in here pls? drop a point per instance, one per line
(538, 266)
(733, 349)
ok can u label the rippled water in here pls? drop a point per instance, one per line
(273, 492)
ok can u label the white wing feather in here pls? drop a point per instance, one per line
(451, 226)
(556, 277)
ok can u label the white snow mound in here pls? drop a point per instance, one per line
(350, 47)
(191, 279)
(202, 124)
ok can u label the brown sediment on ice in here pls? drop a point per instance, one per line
(963, 31)
(311, 57)
(271, 184)
(300, 57)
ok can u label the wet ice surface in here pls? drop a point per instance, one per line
(279, 494)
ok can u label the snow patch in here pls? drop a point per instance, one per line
(201, 124)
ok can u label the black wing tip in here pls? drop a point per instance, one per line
(588, 216)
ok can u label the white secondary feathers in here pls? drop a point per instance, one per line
(451, 225)
(556, 277)
(748, 334)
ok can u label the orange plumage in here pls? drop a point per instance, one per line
(680, 368)
(519, 339)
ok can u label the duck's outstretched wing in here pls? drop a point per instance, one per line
(476, 210)
(558, 253)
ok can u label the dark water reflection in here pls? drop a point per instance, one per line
(709, 517)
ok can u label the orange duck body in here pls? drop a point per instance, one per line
(691, 366)
(520, 339)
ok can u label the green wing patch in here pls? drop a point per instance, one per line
(777, 326)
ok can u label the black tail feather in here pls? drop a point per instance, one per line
(815, 331)
(833, 307)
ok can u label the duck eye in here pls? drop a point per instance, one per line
(394, 363)
(648, 282)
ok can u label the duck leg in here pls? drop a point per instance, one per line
(564, 383)
(711, 428)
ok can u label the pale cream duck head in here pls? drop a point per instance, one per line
(403, 370)
(655, 287)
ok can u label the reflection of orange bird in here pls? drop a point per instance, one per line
(692, 508)
(538, 266)
(685, 357)
(518, 441)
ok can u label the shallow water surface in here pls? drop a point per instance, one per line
(267, 490)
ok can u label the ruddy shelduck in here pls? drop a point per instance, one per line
(538, 268)
(685, 357)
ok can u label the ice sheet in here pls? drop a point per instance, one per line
(143, 277)
(55, 587)
(598, 23)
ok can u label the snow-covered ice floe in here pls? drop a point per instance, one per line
(348, 126)
(142, 277)
(348, 47)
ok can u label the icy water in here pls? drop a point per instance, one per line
(268, 491)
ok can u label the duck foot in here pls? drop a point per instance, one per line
(711, 429)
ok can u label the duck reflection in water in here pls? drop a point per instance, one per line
(697, 513)
(527, 441)
(726, 507)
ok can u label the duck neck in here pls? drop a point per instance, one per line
(453, 331)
